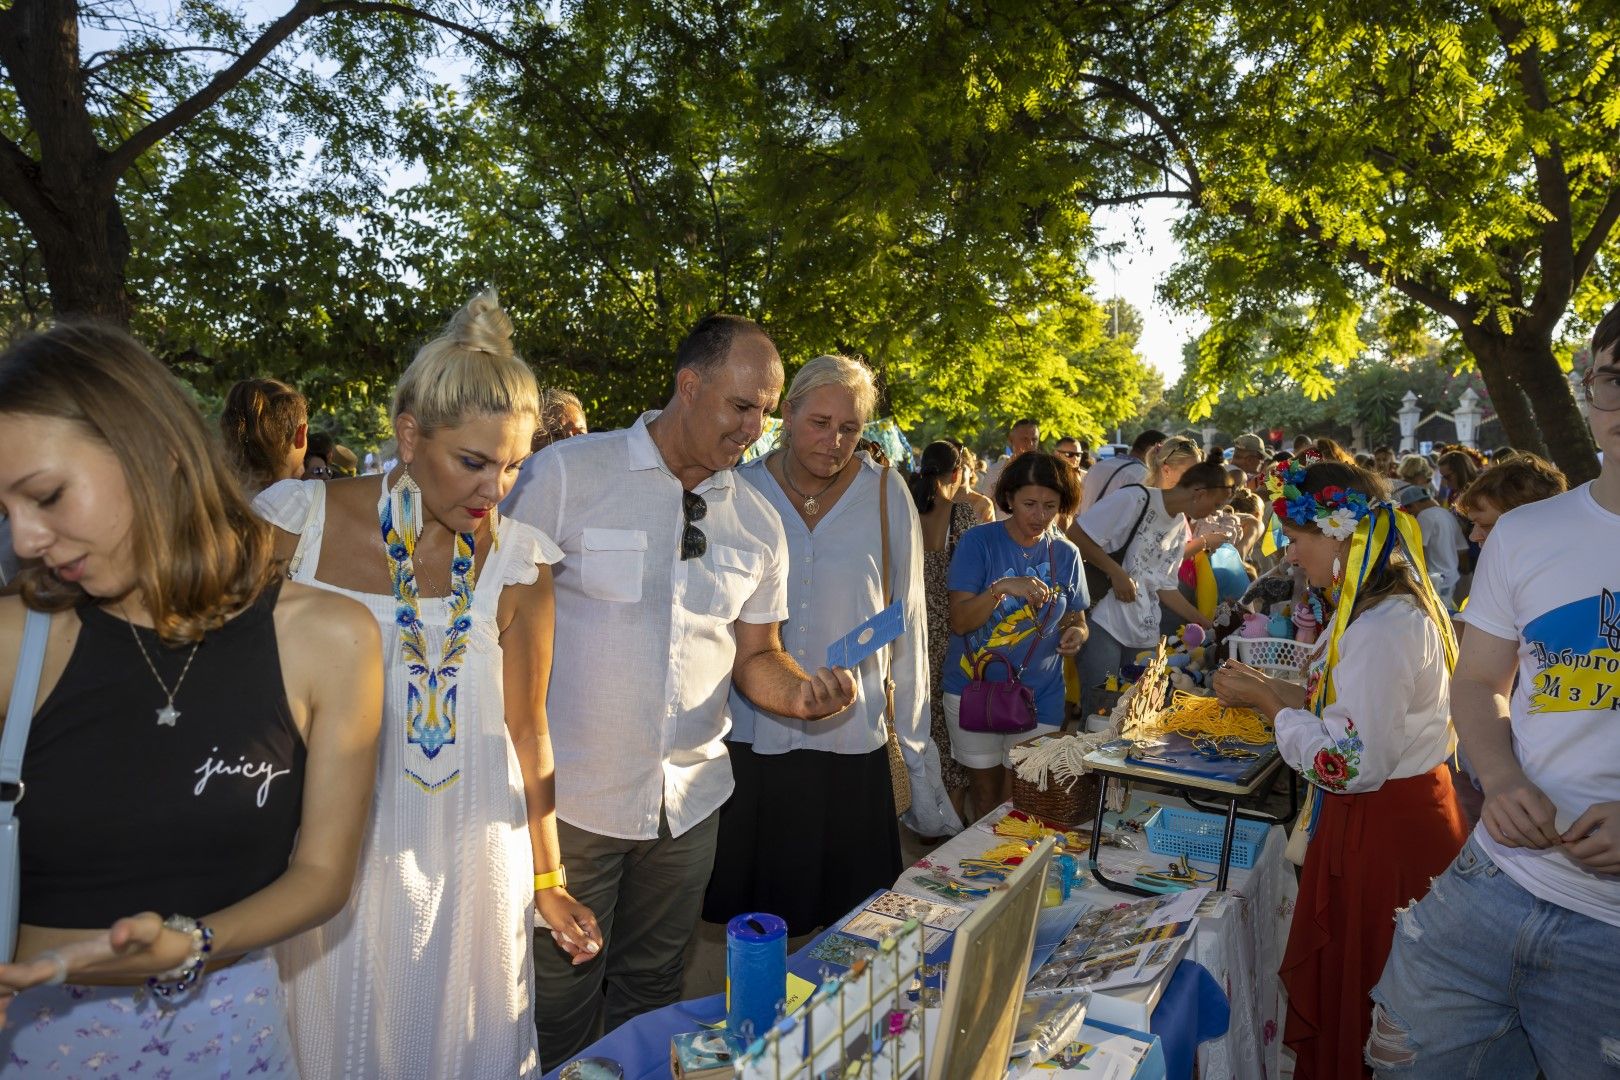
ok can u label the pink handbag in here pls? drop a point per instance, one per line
(1001, 708)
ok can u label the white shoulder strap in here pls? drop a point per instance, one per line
(20, 710)
(317, 510)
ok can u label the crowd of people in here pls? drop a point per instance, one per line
(310, 755)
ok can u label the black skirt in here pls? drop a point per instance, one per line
(806, 836)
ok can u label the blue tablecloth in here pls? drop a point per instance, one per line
(1192, 1009)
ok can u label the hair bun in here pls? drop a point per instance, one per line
(482, 326)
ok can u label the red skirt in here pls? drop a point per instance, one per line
(1373, 852)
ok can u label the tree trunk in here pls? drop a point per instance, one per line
(68, 201)
(1532, 398)
(84, 253)
(1569, 439)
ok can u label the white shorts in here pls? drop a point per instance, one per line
(979, 750)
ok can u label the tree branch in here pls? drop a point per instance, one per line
(1557, 282)
(1423, 292)
(114, 58)
(1597, 235)
(119, 160)
(471, 33)
(19, 179)
(1159, 119)
(1140, 196)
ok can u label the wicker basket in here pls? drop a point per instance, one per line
(1058, 807)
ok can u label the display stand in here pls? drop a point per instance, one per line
(1255, 780)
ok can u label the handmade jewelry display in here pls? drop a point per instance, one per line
(430, 696)
(867, 1022)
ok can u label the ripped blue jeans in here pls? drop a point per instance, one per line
(1484, 980)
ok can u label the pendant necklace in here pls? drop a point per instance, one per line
(812, 503)
(168, 714)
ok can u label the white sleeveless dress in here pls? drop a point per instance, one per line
(428, 971)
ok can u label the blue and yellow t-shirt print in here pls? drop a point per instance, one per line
(1010, 626)
(1576, 649)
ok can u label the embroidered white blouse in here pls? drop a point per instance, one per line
(1391, 715)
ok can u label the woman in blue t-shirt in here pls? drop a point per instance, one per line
(1006, 579)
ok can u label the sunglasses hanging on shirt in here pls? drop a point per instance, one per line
(693, 509)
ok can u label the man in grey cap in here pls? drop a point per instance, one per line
(1443, 540)
(1249, 454)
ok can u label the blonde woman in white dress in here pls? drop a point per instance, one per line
(428, 972)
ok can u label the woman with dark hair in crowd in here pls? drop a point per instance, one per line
(199, 767)
(265, 424)
(1457, 469)
(939, 476)
(1008, 582)
(979, 506)
(1371, 732)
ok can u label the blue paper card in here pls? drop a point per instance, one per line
(867, 638)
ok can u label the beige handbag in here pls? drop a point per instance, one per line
(899, 775)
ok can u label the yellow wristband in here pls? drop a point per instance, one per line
(556, 879)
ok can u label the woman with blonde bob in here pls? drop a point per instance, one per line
(1167, 461)
(429, 970)
(203, 737)
(786, 844)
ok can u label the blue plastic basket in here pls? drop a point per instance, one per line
(1198, 836)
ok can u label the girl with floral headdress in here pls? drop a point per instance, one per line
(1371, 731)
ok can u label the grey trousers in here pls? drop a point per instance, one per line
(646, 895)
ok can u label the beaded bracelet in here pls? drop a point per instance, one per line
(184, 975)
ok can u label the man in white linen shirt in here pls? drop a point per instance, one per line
(1111, 474)
(671, 587)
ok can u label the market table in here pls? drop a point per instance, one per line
(1256, 782)
(1241, 947)
(1228, 982)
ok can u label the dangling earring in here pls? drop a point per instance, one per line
(404, 506)
(1337, 569)
(494, 529)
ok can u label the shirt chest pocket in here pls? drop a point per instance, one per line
(611, 563)
(723, 581)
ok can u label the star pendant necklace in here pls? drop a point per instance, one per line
(168, 714)
(812, 503)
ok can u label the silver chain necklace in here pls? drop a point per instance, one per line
(812, 503)
(168, 714)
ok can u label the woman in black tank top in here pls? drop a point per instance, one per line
(202, 750)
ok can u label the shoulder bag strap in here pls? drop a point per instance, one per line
(1040, 616)
(20, 710)
(1147, 501)
(888, 592)
(1113, 476)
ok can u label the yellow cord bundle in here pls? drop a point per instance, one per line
(1030, 832)
(1199, 717)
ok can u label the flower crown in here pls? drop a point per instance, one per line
(1334, 510)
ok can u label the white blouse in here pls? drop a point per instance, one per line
(1391, 715)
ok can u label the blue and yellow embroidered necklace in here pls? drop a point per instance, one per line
(430, 695)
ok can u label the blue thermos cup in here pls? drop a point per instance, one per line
(756, 972)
